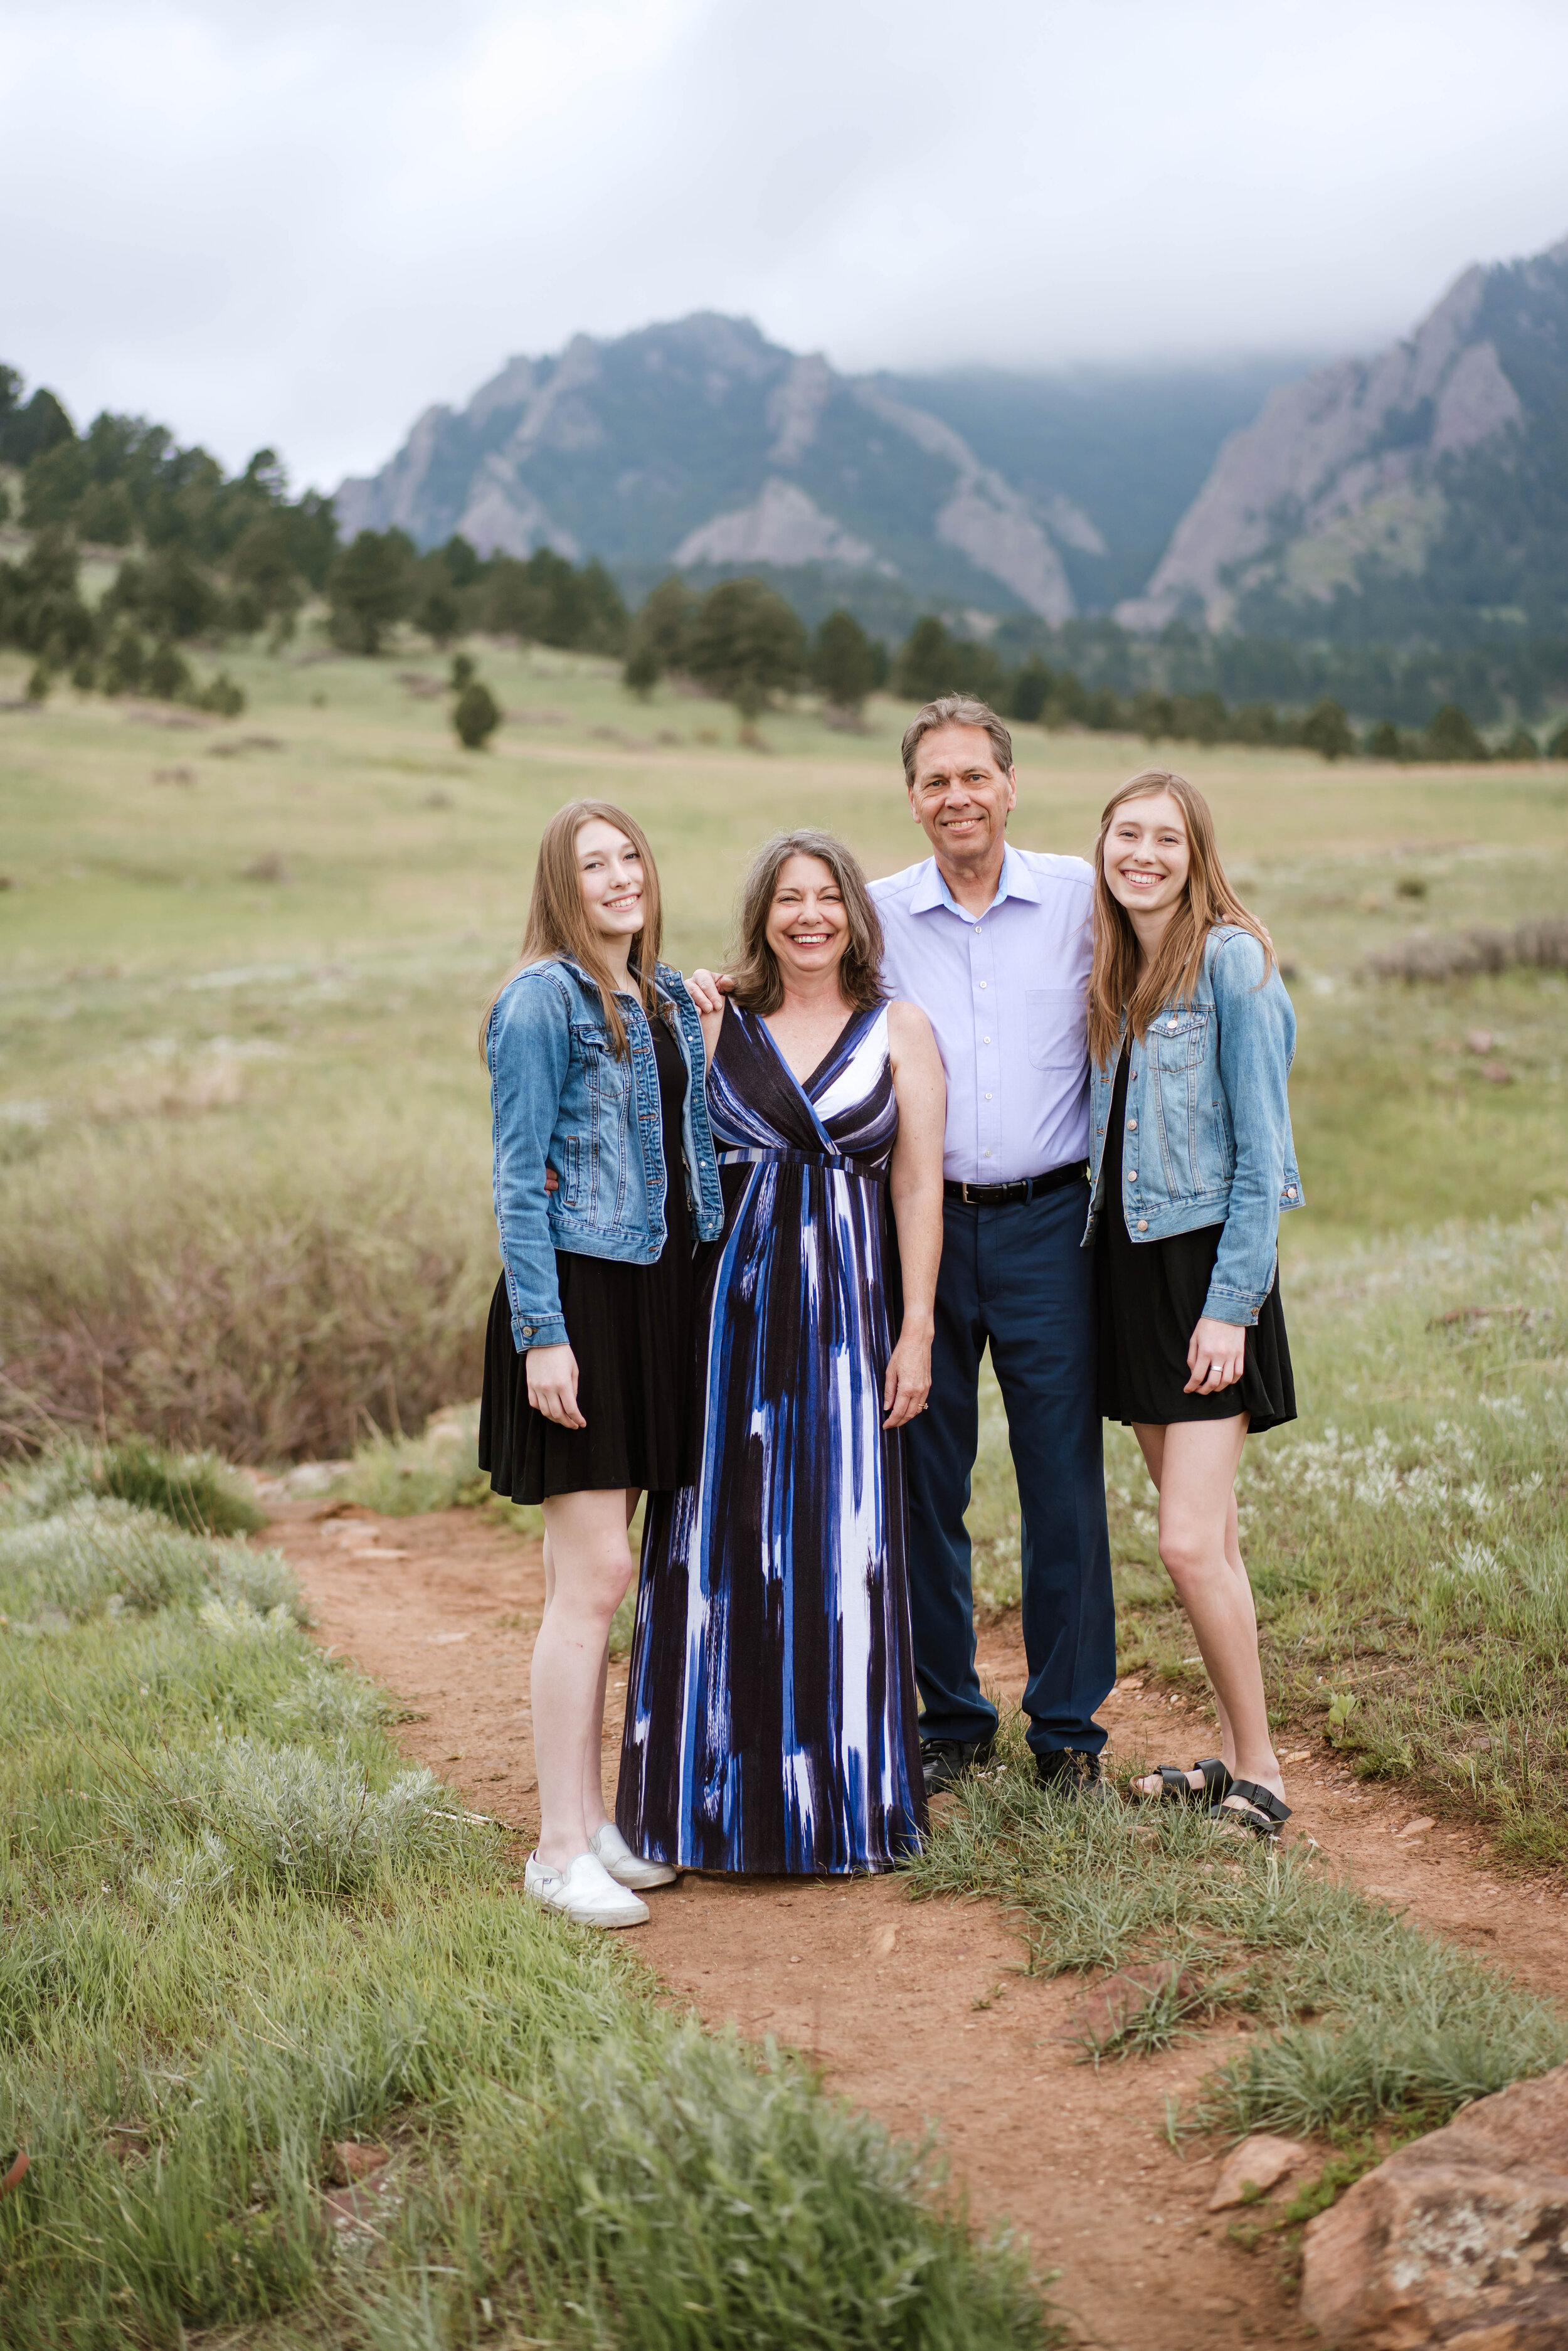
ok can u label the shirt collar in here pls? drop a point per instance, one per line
(1015, 880)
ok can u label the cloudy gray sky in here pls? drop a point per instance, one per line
(301, 221)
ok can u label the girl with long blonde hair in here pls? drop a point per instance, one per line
(1191, 1035)
(604, 1179)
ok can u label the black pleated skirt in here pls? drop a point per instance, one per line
(1151, 1297)
(630, 1327)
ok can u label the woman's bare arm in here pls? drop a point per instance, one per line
(916, 1185)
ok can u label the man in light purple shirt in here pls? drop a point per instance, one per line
(994, 944)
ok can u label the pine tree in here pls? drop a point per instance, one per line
(1326, 730)
(370, 587)
(1030, 691)
(476, 715)
(1451, 736)
(928, 664)
(844, 665)
(168, 674)
(746, 645)
(641, 674)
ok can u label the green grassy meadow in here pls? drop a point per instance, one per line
(278, 927)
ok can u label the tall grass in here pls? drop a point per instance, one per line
(237, 1928)
(1368, 2016)
(196, 1491)
(714, 2201)
(91, 1556)
(266, 1301)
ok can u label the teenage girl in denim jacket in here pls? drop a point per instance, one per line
(1191, 1035)
(605, 1178)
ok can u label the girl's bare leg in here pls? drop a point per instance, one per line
(593, 1807)
(1193, 1464)
(587, 1570)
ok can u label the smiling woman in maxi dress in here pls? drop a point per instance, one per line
(771, 1718)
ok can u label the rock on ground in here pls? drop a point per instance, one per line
(1258, 2164)
(1459, 2241)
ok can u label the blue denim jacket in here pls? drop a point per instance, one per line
(560, 1097)
(1208, 1122)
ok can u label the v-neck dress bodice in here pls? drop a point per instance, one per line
(771, 1712)
(845, 1109)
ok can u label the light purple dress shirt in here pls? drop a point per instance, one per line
(1007, 995)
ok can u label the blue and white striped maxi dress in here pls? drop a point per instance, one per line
(771, 1711)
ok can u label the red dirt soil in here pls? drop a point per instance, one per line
(916, 2011)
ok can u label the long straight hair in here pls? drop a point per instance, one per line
(1116, 985)
(754, 967)
(558, 923)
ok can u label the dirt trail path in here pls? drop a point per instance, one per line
(914, 2009)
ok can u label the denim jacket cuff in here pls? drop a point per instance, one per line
(551, 1333)
(1231, 1305)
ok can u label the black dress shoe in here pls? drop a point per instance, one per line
(1068, 1772)
(944, 1761)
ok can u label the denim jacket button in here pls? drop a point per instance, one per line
(1142, 1223)
(1131, 1126)
(1132, 1174)
(1290, 1191)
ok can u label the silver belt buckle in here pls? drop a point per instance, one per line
(964, 1187)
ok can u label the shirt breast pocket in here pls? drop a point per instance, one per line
(1056, 1023)
(1177, 1039)
(608, 1080)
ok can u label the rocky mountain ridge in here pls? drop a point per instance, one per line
(1379, 495)
(1416, 498)
(702, 444)
(748, 454)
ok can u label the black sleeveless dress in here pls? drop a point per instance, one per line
(631, 1330)
(1151, 1300)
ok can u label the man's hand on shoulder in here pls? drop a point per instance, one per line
(707, 989)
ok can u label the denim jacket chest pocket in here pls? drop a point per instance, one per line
(1194, 1127)
(1178, 1039)
(596, 1174)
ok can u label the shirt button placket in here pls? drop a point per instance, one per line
(987, 1059)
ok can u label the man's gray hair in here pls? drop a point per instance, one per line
(956, 710)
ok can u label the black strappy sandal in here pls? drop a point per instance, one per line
(1176, 1787)
(1263, 1812)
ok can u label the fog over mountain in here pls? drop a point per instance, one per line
(1421, 492)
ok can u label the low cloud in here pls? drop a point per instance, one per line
(300, 224)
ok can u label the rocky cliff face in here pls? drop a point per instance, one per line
(1431, 480)
(701, 443)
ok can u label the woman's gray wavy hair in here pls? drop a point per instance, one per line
(754, 967)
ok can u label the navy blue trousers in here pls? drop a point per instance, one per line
(1015, 1277)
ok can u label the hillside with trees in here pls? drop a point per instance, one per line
(202, 558)
(185, 558)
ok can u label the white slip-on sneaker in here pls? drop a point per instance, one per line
(626, 1867)
(583, 1890)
